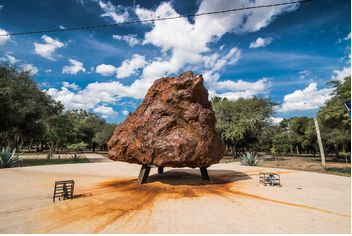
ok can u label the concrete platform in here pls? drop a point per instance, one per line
(108, 200)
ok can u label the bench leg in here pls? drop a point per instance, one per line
(160, 170)
(204, 173)
(143, 174)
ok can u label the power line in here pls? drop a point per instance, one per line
(151, 20)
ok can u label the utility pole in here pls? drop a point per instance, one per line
(322, 154)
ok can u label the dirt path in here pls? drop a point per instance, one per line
(108, 200)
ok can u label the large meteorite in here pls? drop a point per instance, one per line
(173, 127)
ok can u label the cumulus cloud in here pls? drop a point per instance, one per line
(125, 112)
(74, 67)
(130, 67)
(106, 70)
(117, 13)
(105, 111)
(309, 98)
(260, 42)
(48, 48)
(9, 59)
(348, 36)
(31, 69)
(341, 74)
(130, 39)
(4, 39)
(183, 45)
(73, 86)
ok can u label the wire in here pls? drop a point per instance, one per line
(150, 20)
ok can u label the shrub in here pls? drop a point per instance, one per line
(9, 159)
(76, 156)
(248, 159)
(78, 146)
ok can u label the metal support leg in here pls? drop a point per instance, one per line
(160, 170)
(204, 172)
(143, 174)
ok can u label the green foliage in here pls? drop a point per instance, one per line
(243, 122)
(76, 156)
(273, 151)
(104, 134)
(281, 143)
(9, 158)
(334, 120)
(77, 146)
(248, 159)
(23, 107)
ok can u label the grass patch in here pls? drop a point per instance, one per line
(40, 162)
(344, 171)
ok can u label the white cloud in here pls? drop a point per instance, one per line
(310, 98)
(303, 74)
(73, 86)
(9, 58)
(130, 67)
(48, 70)
(184, 45)
(71, 100)
(260, 42)
(74, 67)
(105, 111)
(130, 39)
(348, 37)
(48, 48)
(125, 112)
(117, 13)
(341, 74)
(4, 39)
(277, 120)
(62, 27)
(106, 70)
(31, 69)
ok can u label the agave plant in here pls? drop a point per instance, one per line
(9, 159)
(248, 159)
(76, 156)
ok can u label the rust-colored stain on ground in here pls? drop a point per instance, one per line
(111, 200)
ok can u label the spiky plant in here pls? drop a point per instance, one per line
(76, 156)
(9, 159)
(248, 159)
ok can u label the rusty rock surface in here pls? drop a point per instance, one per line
(173, 127)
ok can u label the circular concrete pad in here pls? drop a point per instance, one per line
(109, 200)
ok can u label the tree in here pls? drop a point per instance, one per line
(23, 107)
(334, 119)
(89, 126)
(103, 135)
(242, 122)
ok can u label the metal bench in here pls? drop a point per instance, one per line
(64, 190)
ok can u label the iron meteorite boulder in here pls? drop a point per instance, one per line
(173, 127)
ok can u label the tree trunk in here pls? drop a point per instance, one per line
(297, 150)
(234, 151)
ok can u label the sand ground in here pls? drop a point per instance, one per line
(108, 200)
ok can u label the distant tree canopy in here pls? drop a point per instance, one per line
(243, 123)
(30, 117)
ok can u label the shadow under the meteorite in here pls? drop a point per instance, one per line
(193, 177)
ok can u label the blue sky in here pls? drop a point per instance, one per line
(287, 53)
